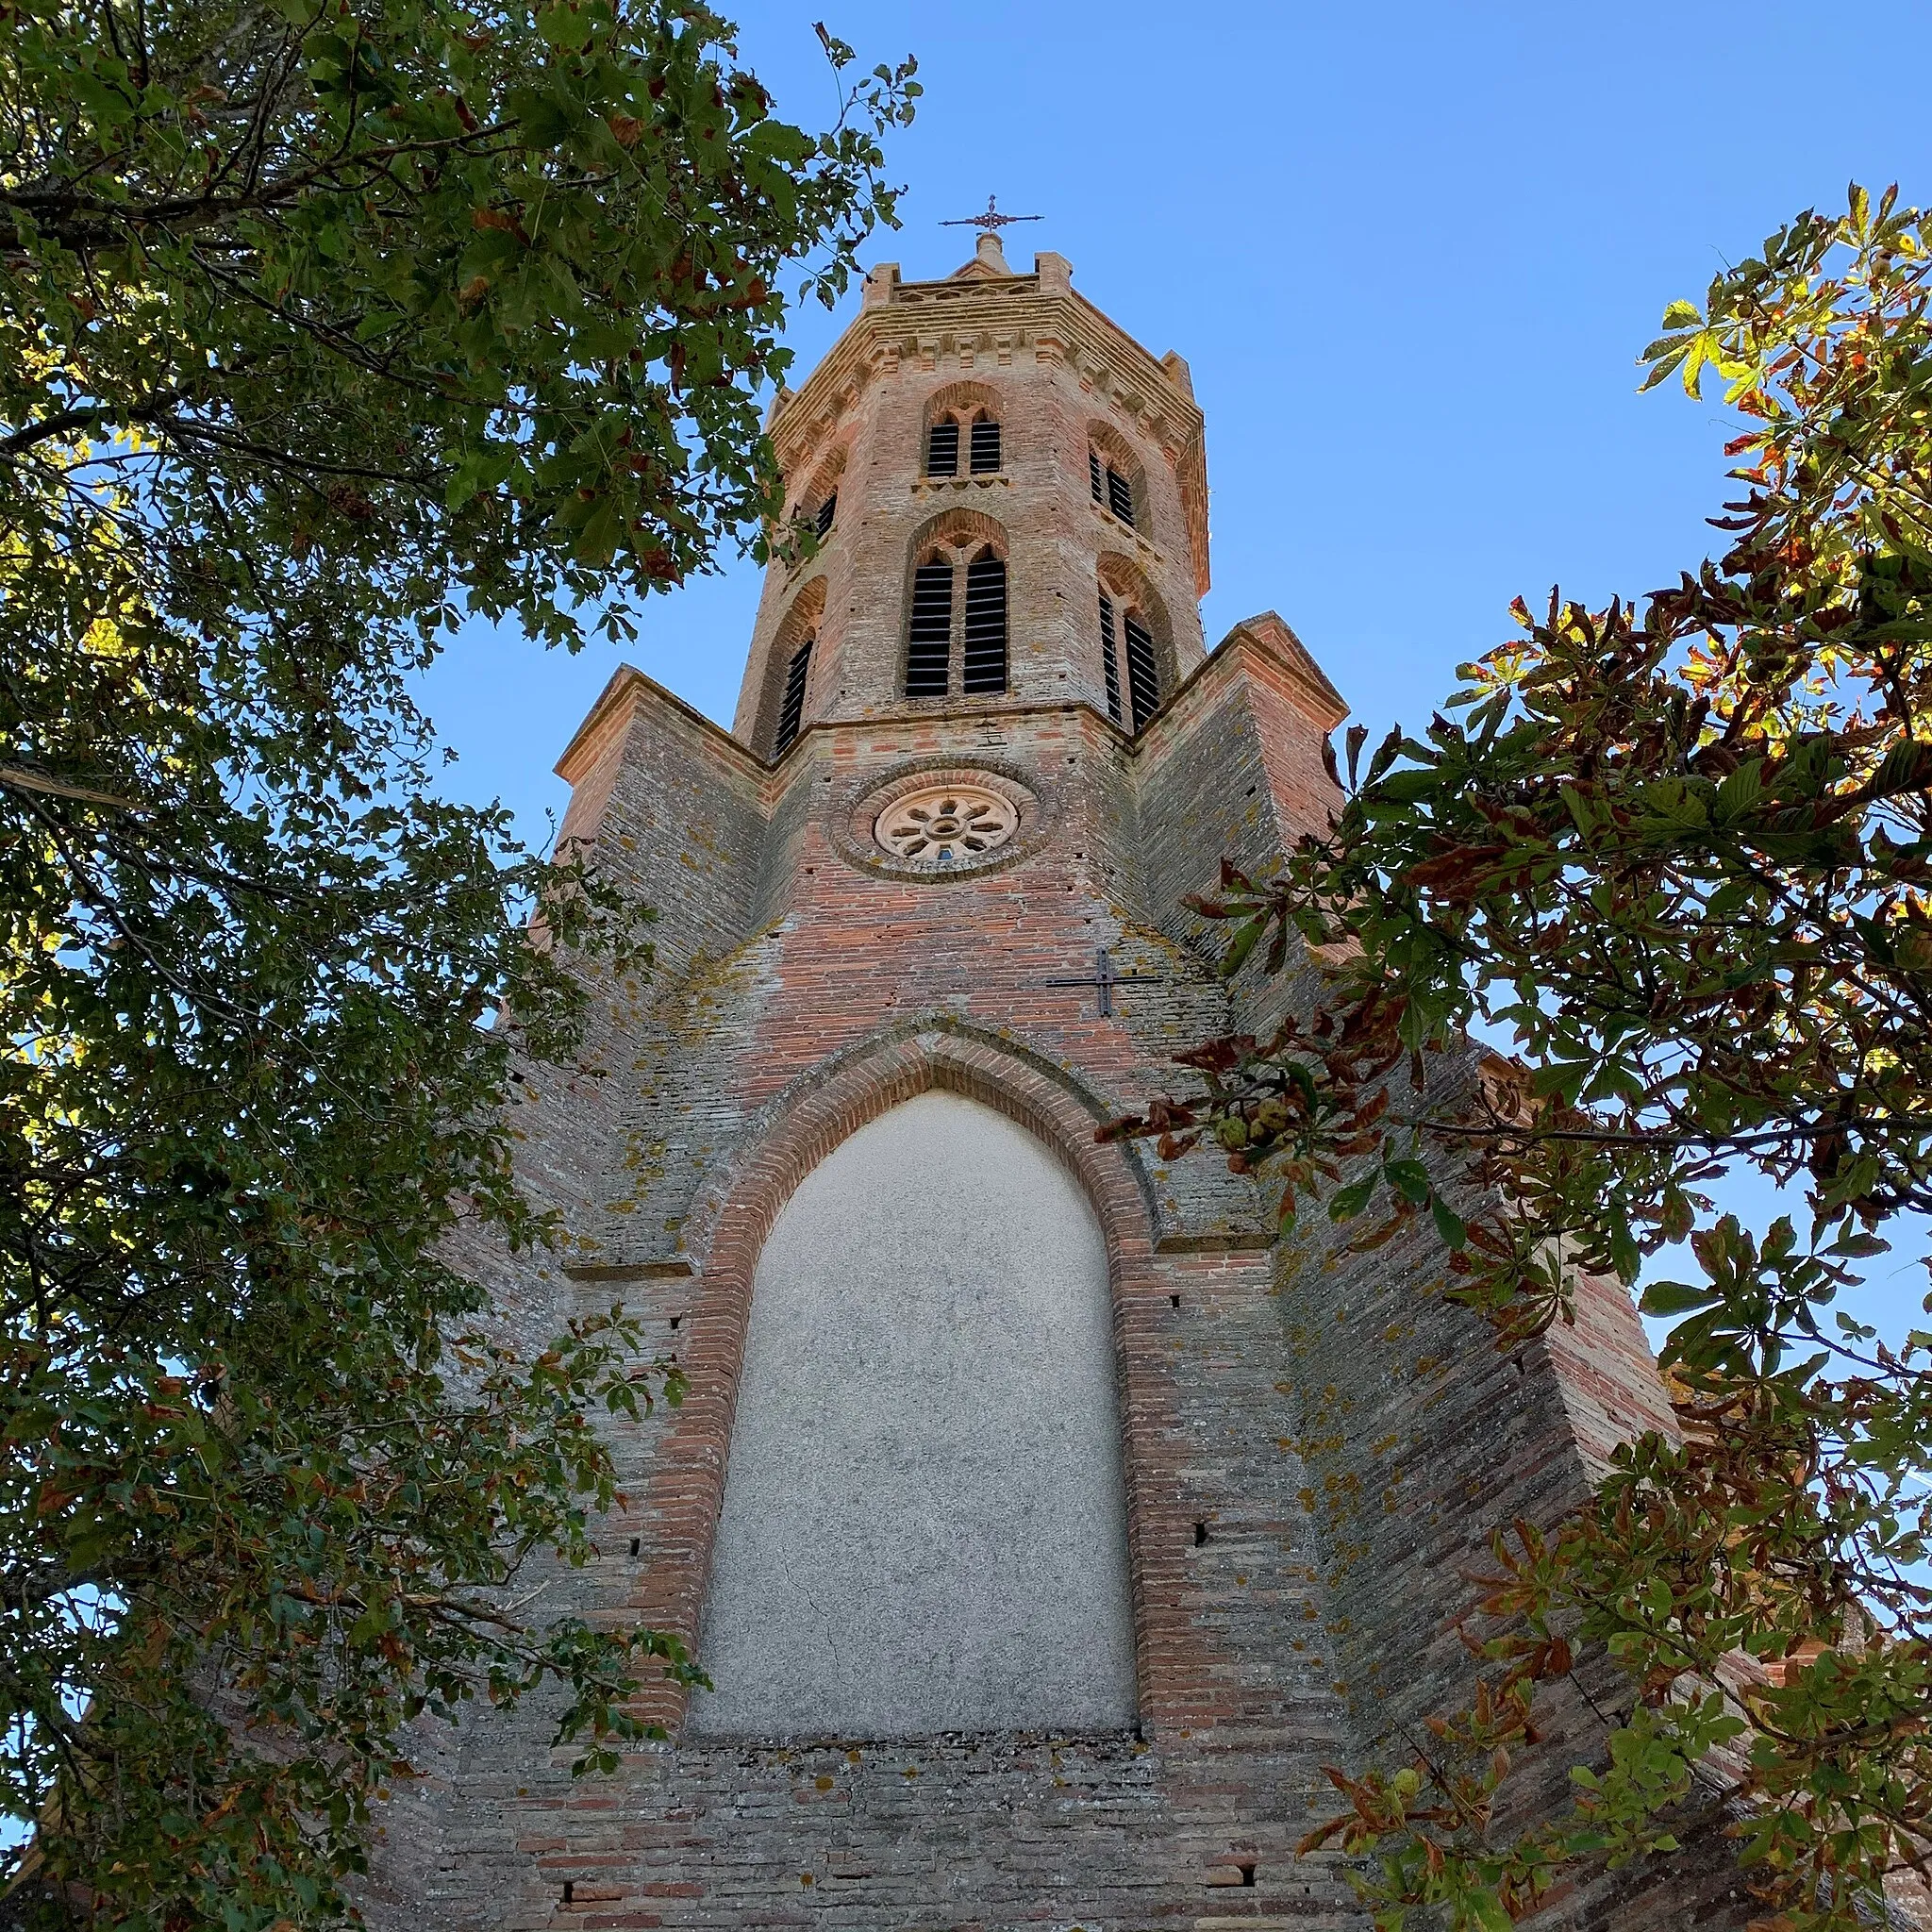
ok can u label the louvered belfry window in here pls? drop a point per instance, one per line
(1144, 673)
(929, 634)
(986, 447)
(791, 712)
(827, 511)
(943, 449)
(1109, 487)
(984, 660)
(1110, 663)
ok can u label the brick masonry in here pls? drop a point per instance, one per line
(1315, 1444)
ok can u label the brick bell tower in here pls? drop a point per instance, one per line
(1044, 1526)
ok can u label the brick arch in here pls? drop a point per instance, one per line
(802, 617)
(962, 401)
(823, 479)
(956, 530)
(686, 1492)
(1131, 588)
(1114, 448)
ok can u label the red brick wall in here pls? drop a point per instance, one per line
(1316, 1444)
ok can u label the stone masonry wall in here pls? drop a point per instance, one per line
(1314, 1444)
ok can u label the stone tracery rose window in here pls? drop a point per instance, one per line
(946, 824)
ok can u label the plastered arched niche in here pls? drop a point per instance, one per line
(924, 1525)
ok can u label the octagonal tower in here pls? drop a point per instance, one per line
(988, 415)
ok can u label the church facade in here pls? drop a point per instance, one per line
(1046, 1526)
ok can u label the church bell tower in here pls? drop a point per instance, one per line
(1044, 1524)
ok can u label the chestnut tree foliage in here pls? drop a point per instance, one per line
(1680, 852)
(323, 324)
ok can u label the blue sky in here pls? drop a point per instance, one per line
(1410, 253)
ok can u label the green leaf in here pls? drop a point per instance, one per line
(1675, 1297)
(1346, 1203)
(567, 26)
(1410, 1178)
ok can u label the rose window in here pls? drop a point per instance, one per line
(946, 824)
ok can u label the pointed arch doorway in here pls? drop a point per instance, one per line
(924, 1523)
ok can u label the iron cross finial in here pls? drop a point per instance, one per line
(991, 222)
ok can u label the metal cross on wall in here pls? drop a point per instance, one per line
(992, 221)
(1103, 982)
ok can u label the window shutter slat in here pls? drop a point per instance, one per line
(984, 666)
(791, 712)
(1120, 496)
(929, 634)
(1110, 665)
(943, 449)
(1144, 673)
(986, 447)
(828, 510)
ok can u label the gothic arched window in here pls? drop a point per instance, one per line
(1129, 656)
(1112, 475)
(788, 670)
(817, 505)
(953, 624)
(791, 707)
(962, 433)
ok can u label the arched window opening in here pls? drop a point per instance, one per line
(978, 1580)
(1144, 673)
(816, 506)
(1114, 474)
(792, 709)
(1111, 489)
(963, 436)
(1130, 661)
(1109, 662)
(929, 634)
(984, 660)
(787, 674)
(956, 614)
